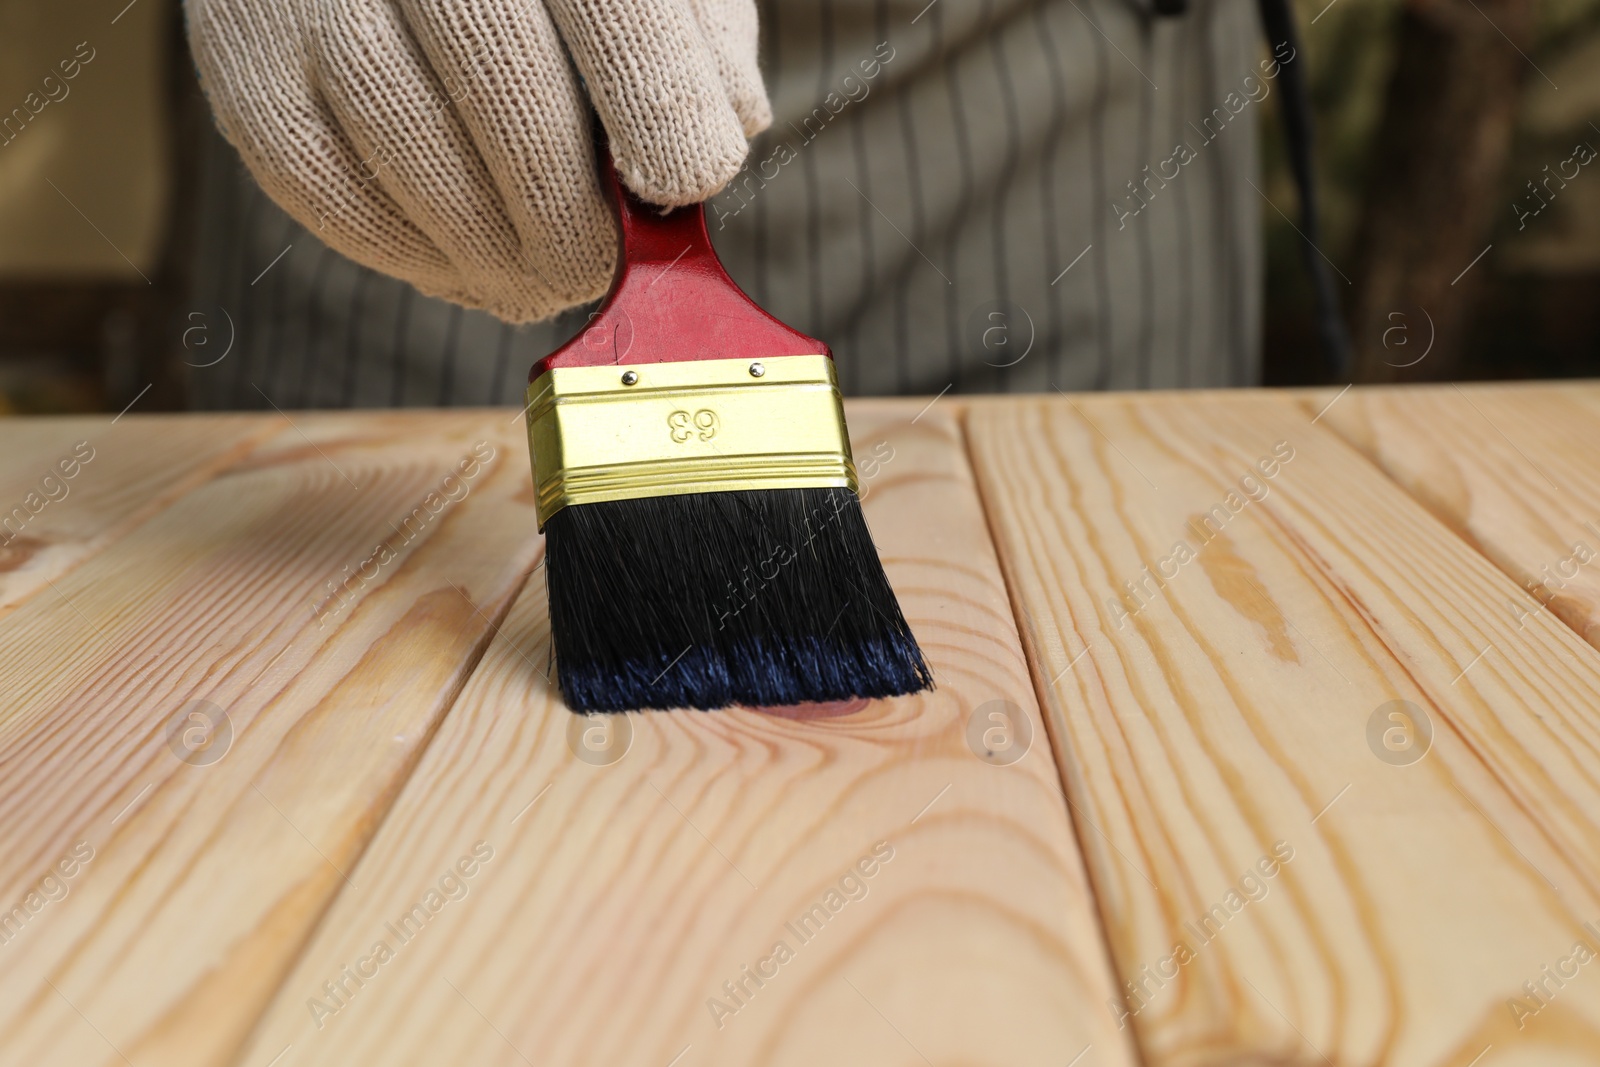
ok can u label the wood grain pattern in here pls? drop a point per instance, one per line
(204, 880)
(1227, 707)
(619, 898)
(71, 487)
(1513, 469)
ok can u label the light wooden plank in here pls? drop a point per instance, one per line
(1228, 708)
(620, 898)
(1513, 469)
(205, 879)
(69, 487)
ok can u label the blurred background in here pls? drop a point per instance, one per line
(1441, 155)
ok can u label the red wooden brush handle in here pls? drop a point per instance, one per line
(671, 301)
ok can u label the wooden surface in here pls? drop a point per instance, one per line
(206, 879)
(1224, 779)
(1231, 711)
(617, 905)
(1512, 470)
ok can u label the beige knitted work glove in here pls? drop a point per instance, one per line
(447, 142)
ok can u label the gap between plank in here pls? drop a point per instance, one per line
(1457, 526)
(386, 802)
(1036, 674)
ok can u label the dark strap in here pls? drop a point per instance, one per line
(1278, 21)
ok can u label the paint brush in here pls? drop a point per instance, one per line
(705, 542)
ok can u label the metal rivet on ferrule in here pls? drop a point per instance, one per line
(757, 370)
(630, 378)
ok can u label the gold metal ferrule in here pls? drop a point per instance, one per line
(706, 426)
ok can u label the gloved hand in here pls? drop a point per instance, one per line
(447, 142)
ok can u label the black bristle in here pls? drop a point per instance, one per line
(761, 597)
